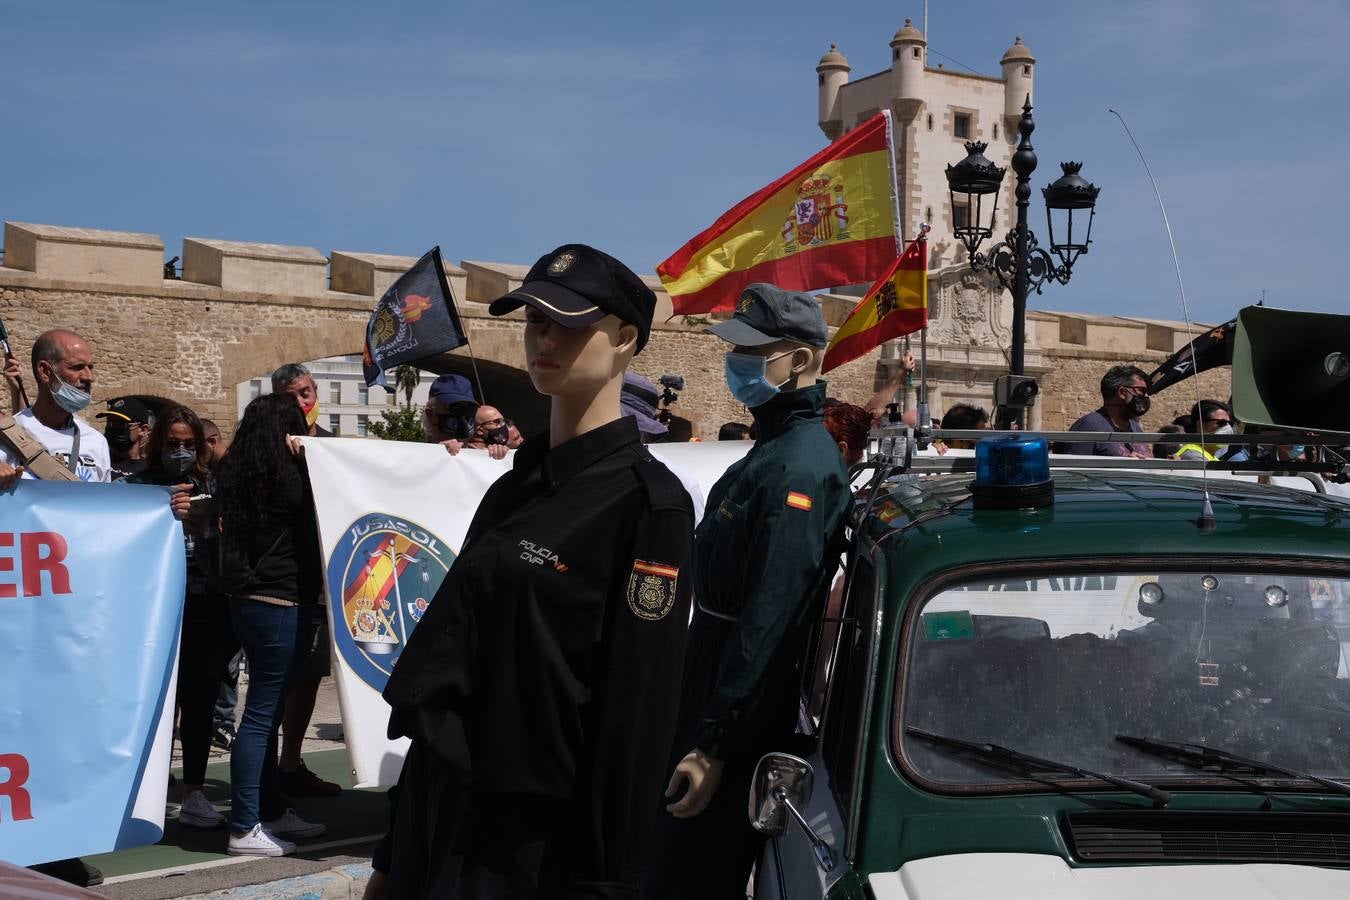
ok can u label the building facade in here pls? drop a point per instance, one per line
(346, 405)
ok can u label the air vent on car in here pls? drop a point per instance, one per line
(1211, 837)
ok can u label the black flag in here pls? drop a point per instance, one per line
(416, 318)
(1213, 348)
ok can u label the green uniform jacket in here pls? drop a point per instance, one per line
(761, 568)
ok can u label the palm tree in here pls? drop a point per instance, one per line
(406, 379)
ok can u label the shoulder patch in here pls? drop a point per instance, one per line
(651, 589)
(798, 500)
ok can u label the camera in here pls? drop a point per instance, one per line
(669, 385)
(1016, 391)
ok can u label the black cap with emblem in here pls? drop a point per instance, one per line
(577, 285)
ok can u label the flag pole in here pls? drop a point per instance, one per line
(899, 228)
(921, 418)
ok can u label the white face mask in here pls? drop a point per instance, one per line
(1223, 429)
(69, 397)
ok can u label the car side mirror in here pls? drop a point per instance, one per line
(782, 788)
(781, 781)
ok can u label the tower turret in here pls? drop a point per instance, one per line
(1017, 65)
(907, 62)
(833, 72)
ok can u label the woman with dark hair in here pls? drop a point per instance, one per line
(176, 453)
(267, 527)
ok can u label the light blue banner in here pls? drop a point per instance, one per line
(91, 601)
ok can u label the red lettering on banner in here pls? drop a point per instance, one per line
(7, 589)
(20, 804)
(39, 552)
(35, 562)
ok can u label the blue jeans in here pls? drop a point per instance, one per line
(273, 639)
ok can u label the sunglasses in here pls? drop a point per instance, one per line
(172, 444)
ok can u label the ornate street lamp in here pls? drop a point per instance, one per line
(1017, 260)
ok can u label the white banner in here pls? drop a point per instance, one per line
(392, 519)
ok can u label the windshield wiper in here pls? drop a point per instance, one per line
(1198, 756)
(1021, 762)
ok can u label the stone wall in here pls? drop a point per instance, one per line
(195, 341)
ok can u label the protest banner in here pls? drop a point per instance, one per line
(392, 519)
(91, 604)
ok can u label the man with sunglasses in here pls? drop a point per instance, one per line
(1125, 400)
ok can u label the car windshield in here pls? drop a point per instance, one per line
(1252, 663)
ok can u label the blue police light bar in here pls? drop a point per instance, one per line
(1012, 473)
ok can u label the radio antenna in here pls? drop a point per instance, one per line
(1206, 522)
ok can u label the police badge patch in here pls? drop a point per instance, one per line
(562, 262)
(651, 589)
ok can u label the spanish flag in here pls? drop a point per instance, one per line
(828, 222)
(893, 307)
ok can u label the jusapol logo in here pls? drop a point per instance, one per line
(381, 578)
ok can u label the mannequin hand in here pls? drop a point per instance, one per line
(497, 451)
(452, 446)
(704, 774)
(377, 888)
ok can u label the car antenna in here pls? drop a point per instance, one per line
(1206, 522)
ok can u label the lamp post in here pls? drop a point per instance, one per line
(1018, 260)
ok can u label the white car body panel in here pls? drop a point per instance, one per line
(1005, 876)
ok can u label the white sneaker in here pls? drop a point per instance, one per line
(197, 812)
(292, 825)
(257, 842)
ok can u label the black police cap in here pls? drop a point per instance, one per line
(577, 285)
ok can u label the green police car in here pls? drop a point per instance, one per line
(1073, 687)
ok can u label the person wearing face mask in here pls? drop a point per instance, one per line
(177, 454)
(490, 432)
(449, 414)
(765, 551)
(63, 367)
(1125, 400)
(126, 425)
(539, 688)
(1207, 417)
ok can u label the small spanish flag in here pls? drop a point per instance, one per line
(893, 307)
(650, 568)
(798, 500)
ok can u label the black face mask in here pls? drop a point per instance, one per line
(497, 435)
(459, 428)
(1138, 406)
(119, 443)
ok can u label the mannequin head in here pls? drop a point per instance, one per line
(587, 315)
(779, 340)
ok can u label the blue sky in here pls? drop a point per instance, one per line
(500, 130)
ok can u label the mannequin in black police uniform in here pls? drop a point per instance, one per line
(540, 687)
(763, 564)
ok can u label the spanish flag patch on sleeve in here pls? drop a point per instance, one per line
(798, 500)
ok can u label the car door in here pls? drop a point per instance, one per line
(843, 654)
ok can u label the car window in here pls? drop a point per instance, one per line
(848, 679)
(1056, 666)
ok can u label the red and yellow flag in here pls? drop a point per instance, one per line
(828, 222)
(895, 306)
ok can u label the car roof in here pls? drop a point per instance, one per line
(1111, 513)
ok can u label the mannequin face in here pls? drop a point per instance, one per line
(784, 361)
(576, 362)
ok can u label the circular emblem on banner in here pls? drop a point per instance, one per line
(562, 262)
(382, 575)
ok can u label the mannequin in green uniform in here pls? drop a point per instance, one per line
(763, 563)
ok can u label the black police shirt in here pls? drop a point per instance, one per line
(548, 665)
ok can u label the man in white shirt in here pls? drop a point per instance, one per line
(63, 366)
